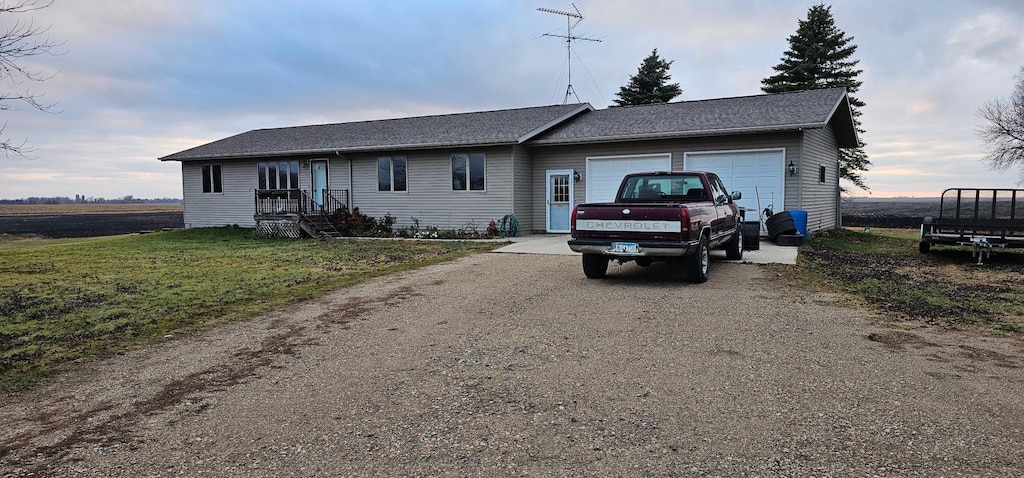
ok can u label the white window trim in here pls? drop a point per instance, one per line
(451, 171)
(202, 178)
(391, 160)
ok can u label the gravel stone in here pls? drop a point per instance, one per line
(517, 365)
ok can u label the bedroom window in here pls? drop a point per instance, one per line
(391, 173)
(468, 171)
(212, 179)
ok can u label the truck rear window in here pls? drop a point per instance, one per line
(678, 187)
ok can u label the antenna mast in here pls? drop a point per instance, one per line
(569, 37)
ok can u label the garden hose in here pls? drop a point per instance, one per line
(509, 226)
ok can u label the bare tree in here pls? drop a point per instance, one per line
(1003, 131)
(21, 40)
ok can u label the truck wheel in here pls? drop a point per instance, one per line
(734, 249)
(595, 265)
(924, 247)
(697, 265)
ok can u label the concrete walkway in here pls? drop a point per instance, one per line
(556, 244)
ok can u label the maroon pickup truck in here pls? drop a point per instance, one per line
(672, 216)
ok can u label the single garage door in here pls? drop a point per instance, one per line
(604, 174)
(741, 171)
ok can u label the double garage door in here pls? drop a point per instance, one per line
(740, 171)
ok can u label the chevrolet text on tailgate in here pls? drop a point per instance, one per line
(672, 216)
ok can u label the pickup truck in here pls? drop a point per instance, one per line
(673, 216)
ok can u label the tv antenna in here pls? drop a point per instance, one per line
(569, 38)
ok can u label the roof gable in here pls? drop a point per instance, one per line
(464, 129)
(747, 114)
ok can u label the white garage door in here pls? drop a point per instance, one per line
(741, 171)
(604, 174)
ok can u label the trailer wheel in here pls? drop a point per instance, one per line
(924, 247)
(595, 266)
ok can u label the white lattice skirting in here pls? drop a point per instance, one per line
(278, 228)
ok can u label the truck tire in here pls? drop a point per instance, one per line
(780, 223)
(924, 247)
(595, 266)
(734, 248)
(698, 264)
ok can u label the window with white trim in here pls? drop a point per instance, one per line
(391, 173)
(212, 183)
(278, 176)
(468, 172)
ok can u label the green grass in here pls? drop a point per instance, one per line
(944, 287)
(65, 301)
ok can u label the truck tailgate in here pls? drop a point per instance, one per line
(645, 221)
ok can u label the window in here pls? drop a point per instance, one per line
(211, 179)
(278, 175)
(821, 174)
(391, 173)
(468, 172)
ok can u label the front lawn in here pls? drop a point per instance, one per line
(65, 301)
(944, 287)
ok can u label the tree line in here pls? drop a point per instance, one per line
(81, 199)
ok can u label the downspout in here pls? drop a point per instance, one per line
(800, 172)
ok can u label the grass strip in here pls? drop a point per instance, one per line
(65, 301)
(944, 287)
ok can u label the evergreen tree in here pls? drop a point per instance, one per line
(819, 56)
(649, 84)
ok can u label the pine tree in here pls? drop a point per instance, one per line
(649, 84)
(819, 56)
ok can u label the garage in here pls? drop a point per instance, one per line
(743, 170)
(604, 173)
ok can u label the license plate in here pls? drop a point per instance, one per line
(625, 248)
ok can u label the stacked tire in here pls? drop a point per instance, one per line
(780, 223)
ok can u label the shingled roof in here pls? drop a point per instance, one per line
(746, 114)
(464, 129)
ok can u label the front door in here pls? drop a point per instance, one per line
(559, 200)
(318, 171)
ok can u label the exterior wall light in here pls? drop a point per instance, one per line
(791, 168)
(576, 176)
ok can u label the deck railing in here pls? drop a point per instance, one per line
(280, 201)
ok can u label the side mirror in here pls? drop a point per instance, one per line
(736, 195)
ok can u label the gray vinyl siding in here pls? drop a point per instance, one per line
(236, 205)
(233, 206)
(430, 197)
(575, 157)
(523, 185)
(820, 199)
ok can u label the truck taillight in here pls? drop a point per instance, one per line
(572, 220)
(684, 220)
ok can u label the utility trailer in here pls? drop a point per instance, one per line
(981, 219)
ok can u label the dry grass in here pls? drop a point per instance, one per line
(50, 209)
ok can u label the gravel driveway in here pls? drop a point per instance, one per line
(508, 365)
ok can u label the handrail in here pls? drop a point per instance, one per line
(332, 202)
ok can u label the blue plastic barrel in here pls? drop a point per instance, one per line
(800, 221)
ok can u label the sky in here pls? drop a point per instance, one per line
(135, 80)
